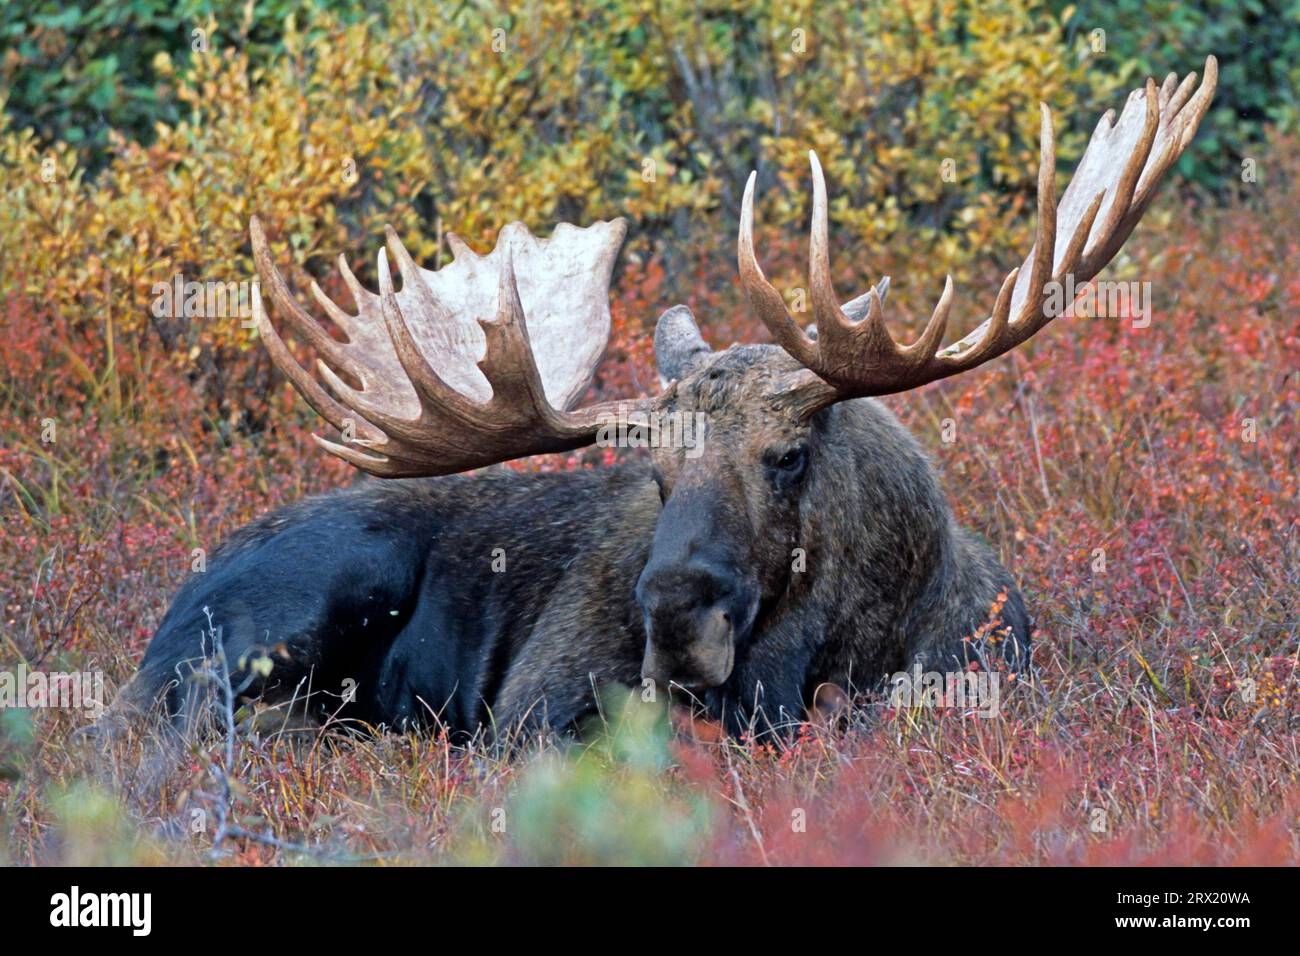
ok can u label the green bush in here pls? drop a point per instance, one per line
(1257, 43)
(75, 71)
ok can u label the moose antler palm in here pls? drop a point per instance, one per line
(483, 360)
(436, 397)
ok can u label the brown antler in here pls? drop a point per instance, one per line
(451, 376)
(1111, 189)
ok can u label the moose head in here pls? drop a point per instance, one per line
(487, 359)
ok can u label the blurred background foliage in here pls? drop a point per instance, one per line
(137, 138)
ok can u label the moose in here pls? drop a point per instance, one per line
(801, 541)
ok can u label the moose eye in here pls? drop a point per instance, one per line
(791, 463)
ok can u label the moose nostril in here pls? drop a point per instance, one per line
(692, 583)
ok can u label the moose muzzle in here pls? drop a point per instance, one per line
(696, 600)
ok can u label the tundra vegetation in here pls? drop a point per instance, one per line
(1140, 483)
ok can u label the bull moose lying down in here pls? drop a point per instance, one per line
(802, 538)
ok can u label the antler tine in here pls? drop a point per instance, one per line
(509, 364)
(284, 300)
(1167, 88)
(325, 406)
(931, 337)
(834, 329)
(1184, 90)
(763, 298)
(354, 286)
(338, 315)
(1002, 330)
(996, 338)
(1044, 254)
(380, 467)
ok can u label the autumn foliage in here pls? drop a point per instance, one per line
(1140, 481)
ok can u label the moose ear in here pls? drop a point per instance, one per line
(679, 347)
(856, 309)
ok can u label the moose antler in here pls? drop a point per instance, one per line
(1113, 185)
(447, 374)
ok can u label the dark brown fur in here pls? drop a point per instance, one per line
(391, 584)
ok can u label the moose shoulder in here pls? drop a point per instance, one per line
(797, 536)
